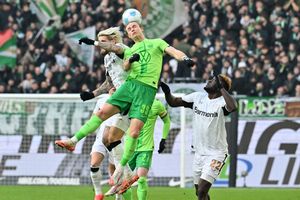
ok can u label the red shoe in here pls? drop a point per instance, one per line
(99, 197)
(66, 144)
(126, 184)
(113, 190)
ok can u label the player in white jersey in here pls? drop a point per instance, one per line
(210, 143)
(112, 131)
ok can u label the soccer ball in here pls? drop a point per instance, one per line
(131, 15)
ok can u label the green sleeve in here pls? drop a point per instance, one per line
(127, 53)
(163, 114)
(163, 45)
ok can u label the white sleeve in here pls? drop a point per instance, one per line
(190, 98)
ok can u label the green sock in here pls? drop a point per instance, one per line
(128, 194)
(89, 127)
(129, 148)
(142, 189)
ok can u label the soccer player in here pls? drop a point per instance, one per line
(99, 152)
(136, 95)
(142, 158)
(210, 109)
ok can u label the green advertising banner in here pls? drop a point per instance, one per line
(257, 107)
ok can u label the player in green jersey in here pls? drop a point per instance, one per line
(142, 158)
(136, 95)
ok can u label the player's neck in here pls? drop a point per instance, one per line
(138, 38)
(214, 95)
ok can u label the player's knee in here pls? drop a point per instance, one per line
(142, 182)
(94, 169)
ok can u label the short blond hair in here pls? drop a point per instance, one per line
(227, 81)
(112, 33)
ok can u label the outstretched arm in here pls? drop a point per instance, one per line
(174, 101)
(104, 88)
(179, 55)
(108, 46)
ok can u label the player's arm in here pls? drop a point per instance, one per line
(103, 88)
(231, 104)
(179, 55)
(174, 101)
(108, 46)
(166, 128)
(127, 63)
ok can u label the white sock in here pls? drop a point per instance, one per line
(119, 197)
(74, 140)
(96, 179)
(117, 153)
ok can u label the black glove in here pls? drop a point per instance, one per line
(162, 145)
(219, 85)
(188, 61)
(87, 41)
(165, 88)
(134, 57)
(86, 95)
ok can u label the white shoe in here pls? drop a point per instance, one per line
(113, 190)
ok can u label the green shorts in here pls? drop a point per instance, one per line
(141, 159)
(134, 97)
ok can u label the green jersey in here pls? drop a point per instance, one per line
(149, 67)
(146, 138)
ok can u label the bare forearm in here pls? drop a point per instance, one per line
(231, 103)
(175, 101)
(295, 7)
(126, 65)
(110, 47)
(104, 88)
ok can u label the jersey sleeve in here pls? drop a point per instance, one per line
(127, 53)
(161, 109)
(163, 45)
(190, 98)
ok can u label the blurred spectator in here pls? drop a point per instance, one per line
(256, 43)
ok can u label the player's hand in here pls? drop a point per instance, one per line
(135, 57)
(162, 145)
(188, 61)
(86, 95)
(219, 85)
(165, 88)
(86, 40)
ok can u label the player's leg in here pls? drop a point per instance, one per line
(212, 166)
(203, 188)
(97, 155)
(96, 175)
(106, 111)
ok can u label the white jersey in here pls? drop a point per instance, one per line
(209, 124)
(114, 68)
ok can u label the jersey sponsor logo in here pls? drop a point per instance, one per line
(205, 114)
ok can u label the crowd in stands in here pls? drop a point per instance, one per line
(255, 42)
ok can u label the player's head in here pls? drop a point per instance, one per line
(112, 34)
(211, 86)
(134, 31)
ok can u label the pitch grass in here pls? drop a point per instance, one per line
(155, 193)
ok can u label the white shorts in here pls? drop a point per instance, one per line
(207, 167)
(99, 147)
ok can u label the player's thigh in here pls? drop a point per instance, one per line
(143, 97)
(212, 167)
(107, 111)
(144, 159)
(105, 135)
(98, 152)
(115, 134)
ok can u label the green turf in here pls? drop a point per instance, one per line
(155, 193)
